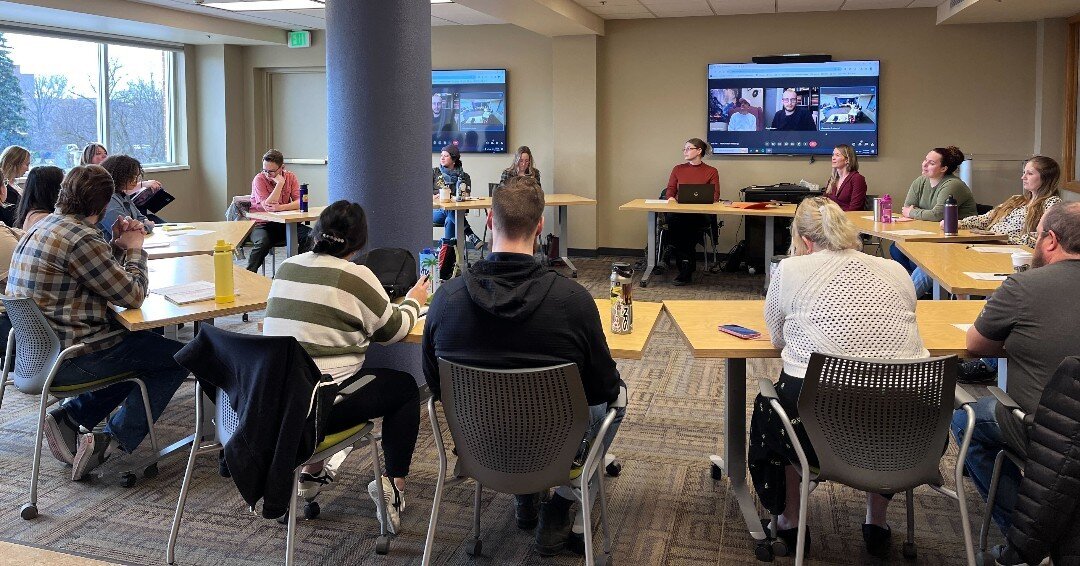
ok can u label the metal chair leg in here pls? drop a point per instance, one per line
(991, 497)
(586, 515)
(29, 511)
(440, 480)
(475, 550)
(603, 512)
(910, 500)
(170, 549)
(290, 534)
(149, 413)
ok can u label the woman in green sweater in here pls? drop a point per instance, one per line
(926, 198)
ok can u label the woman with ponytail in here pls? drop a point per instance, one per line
(829, 297)
(336, 309)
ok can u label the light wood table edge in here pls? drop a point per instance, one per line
(193, 317)
(630, 354)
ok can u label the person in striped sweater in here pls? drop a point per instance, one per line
(336, 309)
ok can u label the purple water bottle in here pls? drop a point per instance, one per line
(886, 209)
(951, 221)
(303, 198)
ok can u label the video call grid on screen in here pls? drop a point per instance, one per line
(468, 109)
(793, 108)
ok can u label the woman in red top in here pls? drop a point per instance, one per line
(685, 230)
(846, 187)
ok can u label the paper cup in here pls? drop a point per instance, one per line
(444, 195)
(1021, 261)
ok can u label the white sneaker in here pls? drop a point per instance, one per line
(312, 484)
(394, 501)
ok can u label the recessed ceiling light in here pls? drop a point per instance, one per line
(267, 5)
(442, 1)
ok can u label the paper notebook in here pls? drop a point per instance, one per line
(187, 292)
(986, 276)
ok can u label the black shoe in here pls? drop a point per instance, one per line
(877, 540)
(62, 435)
(790, 537)
(222, 465)
(554, 528)
(679, 281)
(975, 371)
(527, 510)
(1006, 556)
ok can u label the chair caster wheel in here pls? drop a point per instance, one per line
(28, 511)
(150, 471)
(245, 317)
(475, 548)
(717, 473)
(910, 552)
(645, 283)
(779, 547)
(751, 270)
(284, 519)
(603, 560)
(127, 479)
(312, 510)
(573, 274)
(763, 552)
(614, 469)
(382, 545)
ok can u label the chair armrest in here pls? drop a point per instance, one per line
(767, 390)
(961, 397)
(1011, 405)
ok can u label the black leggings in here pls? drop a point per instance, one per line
(386, 393)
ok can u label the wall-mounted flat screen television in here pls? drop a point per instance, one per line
(468, 108)
(793, 108)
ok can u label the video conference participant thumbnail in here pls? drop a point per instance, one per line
(792, 116)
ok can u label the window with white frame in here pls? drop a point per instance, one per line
(58, 94)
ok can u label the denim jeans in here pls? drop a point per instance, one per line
(596, 418)
(447, 219)
(923, 282)
(986, 441)
(145, 355)
(899, 256)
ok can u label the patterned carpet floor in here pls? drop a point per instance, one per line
(664, 507)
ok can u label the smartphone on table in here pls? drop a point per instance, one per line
(739, 331)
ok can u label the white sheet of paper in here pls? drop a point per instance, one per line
(287, 212)
(187, 292)
(155, 244)
(910, 232)
(191, 233)
(964, 327)
(656, 201)
(985, 276)
(996, 249)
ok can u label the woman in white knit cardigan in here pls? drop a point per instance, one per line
(829, 297)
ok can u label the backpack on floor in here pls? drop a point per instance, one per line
(395, 268)
(736, 257)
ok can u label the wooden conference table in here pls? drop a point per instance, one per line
(252, 291)
(913, 230)
(654, 206)
(622, 346)
(946, 264)
(167, 242)
(559, 200)
(698, 321)
(290, 219)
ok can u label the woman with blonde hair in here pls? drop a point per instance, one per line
(523, 165)
(829, 297)
(14, 163)
(1018, 217)
(846, 186)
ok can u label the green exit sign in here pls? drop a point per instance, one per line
(299, 39)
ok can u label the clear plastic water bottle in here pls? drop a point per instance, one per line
(951, 221)
(886, 209)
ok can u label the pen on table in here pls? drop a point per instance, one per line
(1002, 274)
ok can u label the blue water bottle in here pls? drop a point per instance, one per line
(303, 198)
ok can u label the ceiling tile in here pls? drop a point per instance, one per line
(875, 4)
(673, 13)
(730, 7)
(808, 5)
(628, 16)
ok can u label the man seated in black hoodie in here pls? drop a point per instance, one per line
(510, 312)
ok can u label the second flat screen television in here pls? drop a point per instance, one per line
(793, 108)
(468, 108)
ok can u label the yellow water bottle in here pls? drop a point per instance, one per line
(224, 291)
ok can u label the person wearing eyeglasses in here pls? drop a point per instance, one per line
(1029, 319)
(792, 117)
(685, 229)
(274, 189)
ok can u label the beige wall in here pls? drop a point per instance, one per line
(191, 200)
(970, 86)
(974, 86)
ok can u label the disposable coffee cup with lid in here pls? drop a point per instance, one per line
(1021, 261)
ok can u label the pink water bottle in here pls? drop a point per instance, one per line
(886, 208)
